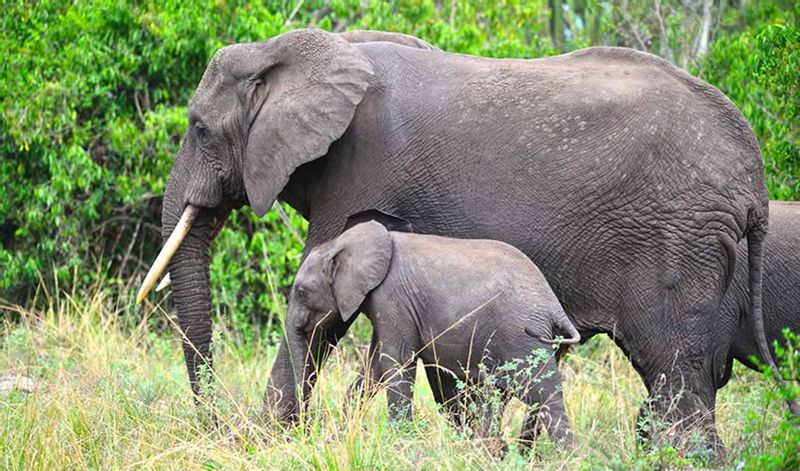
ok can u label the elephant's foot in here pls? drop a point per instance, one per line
(280, 409)
(495, 446)
(683, 423)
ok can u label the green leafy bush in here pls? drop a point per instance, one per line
(758, 70)
(94, 97)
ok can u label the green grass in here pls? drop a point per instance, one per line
(111, 394)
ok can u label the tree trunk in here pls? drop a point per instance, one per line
(593, 17)
(705, 29)
(557, 24)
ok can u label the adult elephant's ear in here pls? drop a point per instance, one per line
(301, 99)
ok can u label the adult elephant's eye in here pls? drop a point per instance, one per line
(202, 133)
(301, 293)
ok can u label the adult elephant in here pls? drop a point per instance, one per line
(626, 180)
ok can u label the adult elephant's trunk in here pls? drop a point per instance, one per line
(189, 271)
(188, 230)
(192, 296)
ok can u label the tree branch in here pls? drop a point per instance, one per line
(666, 50)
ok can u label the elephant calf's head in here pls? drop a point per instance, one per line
(332, 283)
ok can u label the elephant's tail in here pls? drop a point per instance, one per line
(563, 323)
(755, 250)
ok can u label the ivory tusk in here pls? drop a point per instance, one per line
(169, 249)
(165, 282)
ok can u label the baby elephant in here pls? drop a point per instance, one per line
(478, 311)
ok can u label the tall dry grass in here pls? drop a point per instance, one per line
(105, 392)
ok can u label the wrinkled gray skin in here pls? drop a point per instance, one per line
(452, 303)
(628, 182)
(781, 299)
(781, 285)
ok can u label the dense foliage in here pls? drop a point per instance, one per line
(94, 100)
(759, 69)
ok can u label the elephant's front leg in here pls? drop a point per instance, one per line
(398, 370)
(366, 384)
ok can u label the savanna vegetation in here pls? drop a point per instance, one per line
(94, 98)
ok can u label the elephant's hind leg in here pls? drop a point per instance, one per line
(545, 400)
(670, 330)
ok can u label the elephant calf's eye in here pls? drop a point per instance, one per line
(301, 293)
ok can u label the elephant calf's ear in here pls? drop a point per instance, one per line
(309, 86)
(362, 258)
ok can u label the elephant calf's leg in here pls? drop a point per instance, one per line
(446, 393)
(545, 399)
(366, 383)
(531, 428)
(485, 414)
(398, 370)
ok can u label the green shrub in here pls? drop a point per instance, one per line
(758, 70)
(94, 96)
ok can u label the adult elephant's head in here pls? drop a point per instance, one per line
(260, 111)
